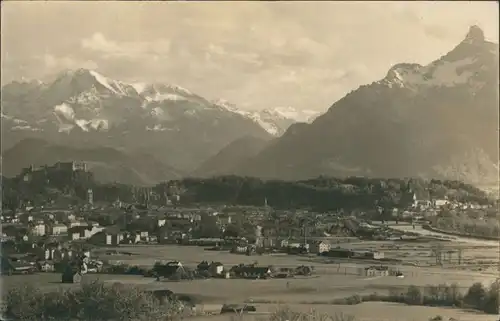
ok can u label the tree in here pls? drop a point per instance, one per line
(116, 302)
(208, 227)
(414, 295)
(232, 230)
(491, 303)
(476, 295)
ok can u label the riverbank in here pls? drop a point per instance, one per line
(465, 235)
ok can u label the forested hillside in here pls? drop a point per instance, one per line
(321, 194)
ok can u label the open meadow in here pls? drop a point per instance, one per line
(370, 311)
(332, 279)
(303, 295)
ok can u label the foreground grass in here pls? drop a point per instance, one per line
(97, 302)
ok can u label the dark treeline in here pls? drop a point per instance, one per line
(320, 194)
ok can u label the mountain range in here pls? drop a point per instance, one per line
(84, 109)
(434, 121)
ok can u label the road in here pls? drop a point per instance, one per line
(419, 230)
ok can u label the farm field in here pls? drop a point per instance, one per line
(416, 253)
(332, 279)
(328, 278)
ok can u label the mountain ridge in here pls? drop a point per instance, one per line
(227, 160)
(418, 121)
(84, 108)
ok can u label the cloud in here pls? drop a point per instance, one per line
(98, 42)
(51, 62)
(130, 49)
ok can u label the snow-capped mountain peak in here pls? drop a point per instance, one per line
(455, 68)
(76, 82)
(139, 87)
(90, 101)
(276, 120)
(301, 116)
(224, 104)
(112, 85)
(86, 108)
(161, 92)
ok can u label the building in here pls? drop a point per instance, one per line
(71, 166)
(114, 238)
(47, 267)
(376, 255)
(251, 271)
(224, 219)
(161, 222)
(72, 224)
(239, 249)
(440, 203)
(268, 242)
(421, 200)
(83, 231)
(319, 247)
(373, 255)
(56, 229)
(38, 230)
(216, 268)
(111, 237)
(90, 196)
(374, 271)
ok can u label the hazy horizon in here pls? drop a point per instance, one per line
(254, 54)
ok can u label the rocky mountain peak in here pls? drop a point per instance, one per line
(425, 118)
(475, 35)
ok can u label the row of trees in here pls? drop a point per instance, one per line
(477, 297)
(323, 193)
(466, 223)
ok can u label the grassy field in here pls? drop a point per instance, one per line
(417, 253)
(371, 311)
(406, 251)
(329, 277)
(330, 281)
(303, 294)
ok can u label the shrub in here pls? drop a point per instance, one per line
(93, 301)
(286, 314)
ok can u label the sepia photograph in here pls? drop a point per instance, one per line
(250, 161)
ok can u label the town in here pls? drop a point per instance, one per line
(103, 237)
(249, 161)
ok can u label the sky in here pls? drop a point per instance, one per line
(255, 55)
